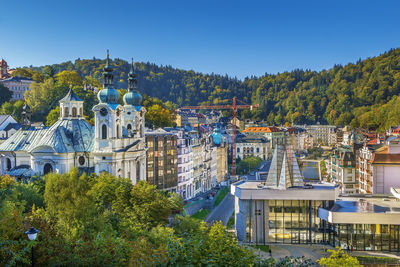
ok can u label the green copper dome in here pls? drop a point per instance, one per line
(108, 94)
(133, 97)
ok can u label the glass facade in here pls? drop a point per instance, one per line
(162, 161)
(380, 237)
(297, 222)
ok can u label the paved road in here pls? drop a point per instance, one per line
(223, 211)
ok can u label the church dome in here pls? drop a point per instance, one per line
(217, 138)
(108, 95)
(133, 98)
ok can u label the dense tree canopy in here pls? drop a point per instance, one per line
(339, 95)
(90, 220)
(5, 94)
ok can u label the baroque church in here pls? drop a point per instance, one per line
(115, 144)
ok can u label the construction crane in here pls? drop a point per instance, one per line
(234, 107)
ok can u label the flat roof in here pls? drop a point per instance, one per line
(256, 184)
(368, 209)
(256, 190)
(367, 204)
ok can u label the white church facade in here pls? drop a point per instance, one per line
(115, 144)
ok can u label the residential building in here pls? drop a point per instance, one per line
(379, 168)
(273, 134)
(18, 86)
(343, 169)
(189, 118)
(162, 159)
(322, 134)
(185, 165)
(252, 146)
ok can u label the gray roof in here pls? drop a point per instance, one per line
(3, 118)
(71, 96)
(17, 79)
(10, 126)
(64, 136)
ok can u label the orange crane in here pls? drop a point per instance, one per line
(234, 108)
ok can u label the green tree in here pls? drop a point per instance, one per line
(69, 78)
(53, 116)
(5, 94)
(158, 116)
(338, 258)
(248, 164)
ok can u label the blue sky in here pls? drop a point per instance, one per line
(238, 38)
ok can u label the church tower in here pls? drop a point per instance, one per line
(133, 119)
(119, 146)
(105, 112)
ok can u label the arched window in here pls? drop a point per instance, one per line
(118, 131)
(104, 132)
(47, 168)
(129, 127)
(8, 164)
(137, 171)
(238, 150)
(74, 112)
(66, 112)
(80, 112)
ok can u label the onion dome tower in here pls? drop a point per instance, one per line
(133, 97)
(108, 94)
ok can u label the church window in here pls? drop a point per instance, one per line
(47, 168)
(137, 171)
(81, 160)
(238, 150)
(103, 131)
(118, 131)
(80, 112)
(66, 112)
(129, 127)
(74, 112)
(8, 164)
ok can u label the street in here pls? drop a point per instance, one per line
(223, 211)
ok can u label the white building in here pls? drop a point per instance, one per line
(185, 165)
(379, 169)
(252, 146)
(343, 169)
(115, 144)
(322, 134)
(18, 86)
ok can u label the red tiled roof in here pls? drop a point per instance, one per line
(382, 156)
(261, 129)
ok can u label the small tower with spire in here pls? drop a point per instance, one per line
(71, 106)
(26, 117)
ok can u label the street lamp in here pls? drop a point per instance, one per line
(32, 234)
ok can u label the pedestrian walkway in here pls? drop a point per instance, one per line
(316, 251)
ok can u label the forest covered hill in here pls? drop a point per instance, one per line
(363, 94)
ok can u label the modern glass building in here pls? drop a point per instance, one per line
(283, 209)
(266, 215)
(162, 160)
